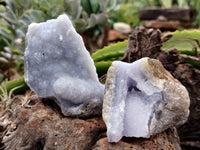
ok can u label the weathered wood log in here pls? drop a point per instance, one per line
(170, 25)
(143, 43)
(178, 14)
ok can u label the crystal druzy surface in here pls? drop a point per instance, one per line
(59, 66)
(142, 99)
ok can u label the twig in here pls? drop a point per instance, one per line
(187, 57)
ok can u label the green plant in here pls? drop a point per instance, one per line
(127, 13)
(11, 31)
(88, 16)
(102, 67)
(20, 83)
(186, 40)
(103, 58)
(16, 21)
(110, 53)
(128, 10)
(6, 97)
(18, 14)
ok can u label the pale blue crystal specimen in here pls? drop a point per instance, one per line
(59, 66)
(142, 99)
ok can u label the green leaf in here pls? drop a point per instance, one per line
(45, 4)
(15, 83)
(7, 49)
(117, 48)
(102, 5)
(98, 19)
(27, 19)
(20, 33)
(85, 15)
(54, 12)
(23, 25)
(37, 15)
(58, 2)
(5, 34)
(26, 4)
(102, 67)
(5, 28)
(167, 3)
(80, 25)
(75, 5)
(1, 78)
(17, 57)
(2, 59)
(19, 2)
(11, 4)
(5, 54)
(182, 3)
(12, 13)
(91, 21)
(94, 5)
(9, 18)
(111, 4)
(86, 6)
(79, 10)
(6, 41)
(2, 9)
(15, 51)
(101, 18)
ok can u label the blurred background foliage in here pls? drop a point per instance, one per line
(128, 10)
(16, 15)
(88, 17)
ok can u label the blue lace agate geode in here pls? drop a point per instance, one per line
(142, 99)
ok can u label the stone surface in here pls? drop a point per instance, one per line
(142, 99)
(116, 35)
(122, 27)
(59, 66)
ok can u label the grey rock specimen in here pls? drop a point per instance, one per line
(142, 99)
(59, 66)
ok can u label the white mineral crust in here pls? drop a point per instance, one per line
(142, 99)
(59, 66)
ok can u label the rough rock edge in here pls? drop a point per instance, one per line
(39, 124)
